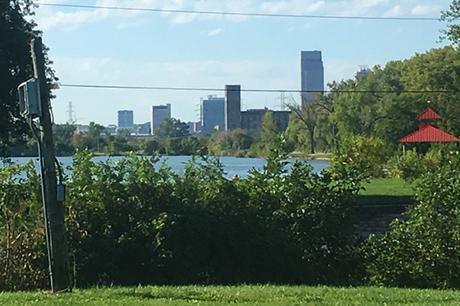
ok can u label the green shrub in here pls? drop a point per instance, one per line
(132, 222)
(409, 166)
(423, 251)
(22, 241)
(367, 153)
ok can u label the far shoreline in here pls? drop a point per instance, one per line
(292, 155)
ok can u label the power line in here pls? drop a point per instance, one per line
(225, 13)
(270, 90)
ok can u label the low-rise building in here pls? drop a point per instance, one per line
(251, 119)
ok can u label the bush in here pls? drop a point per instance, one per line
(132, 222)
(423, 251)
(409, 166)
(368, 153)
(22, 240)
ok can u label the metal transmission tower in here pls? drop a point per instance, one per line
(282, 100)
(71, 113)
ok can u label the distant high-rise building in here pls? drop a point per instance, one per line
(194, 127)
(142, 128)
(312, 71)
(212, 114)
(232, 107)
(159, 114)
(363, 72)
(125, 119)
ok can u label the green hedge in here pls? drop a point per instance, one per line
(132, 222)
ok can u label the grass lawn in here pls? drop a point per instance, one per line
(387, 191)
(237, 295)
(388, 186)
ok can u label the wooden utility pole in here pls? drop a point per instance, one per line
(53, 207)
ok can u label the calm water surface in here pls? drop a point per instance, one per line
(232, 165)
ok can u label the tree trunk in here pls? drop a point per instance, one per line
(312, 140)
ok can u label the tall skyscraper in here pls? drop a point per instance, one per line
(212, 114)
(125, 119)
(232, 107)
(312, 71)
(159, 114)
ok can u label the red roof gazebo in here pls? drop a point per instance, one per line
(427, 131)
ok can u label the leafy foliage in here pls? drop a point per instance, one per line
(451, 16)
(411, 166)
(172, 128)
(234, 142)
(391, 116)
(15, 67)
(269, 137)
(134, 221)
(423, 251)
(22, 241)
(368, 154)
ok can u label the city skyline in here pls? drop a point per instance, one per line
(178, 50)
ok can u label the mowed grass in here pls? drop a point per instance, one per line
(387, 191)
(237, 295)
(388, 187)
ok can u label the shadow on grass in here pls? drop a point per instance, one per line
(187, 297)
(385, 200)
(211, 297)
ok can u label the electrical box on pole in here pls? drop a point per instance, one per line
(29, 99)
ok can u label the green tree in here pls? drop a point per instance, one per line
(236, 141)
(118, 145)
(452, 17)
(269, 130)
(386, 102)
(62, 136)
(149, 147)
(269, 136)
(173, 128)
(92, 140)
(307, 113)
(16, 32)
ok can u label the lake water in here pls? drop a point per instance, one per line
(232, 165)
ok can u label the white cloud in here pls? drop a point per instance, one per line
(368, 3)
(395, 11)
(339, 69)
(52, 17)
(131, 24)
(214, 32)
(71, 18)
(421, 9)
(292, 6)
(68, 18)
(69, 21)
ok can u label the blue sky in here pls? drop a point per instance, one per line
(158, 49)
